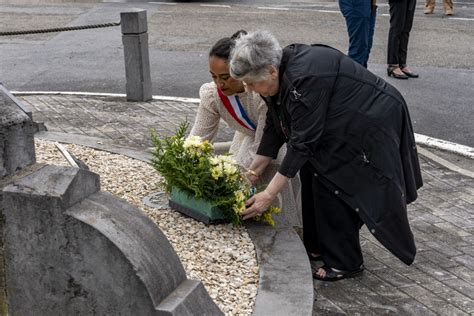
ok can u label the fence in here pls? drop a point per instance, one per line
(134, 29)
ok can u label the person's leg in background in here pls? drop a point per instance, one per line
(397, 24)
(373, 18)
(358, 15)
(404, 29)
(448, 7)
(429, 6)
(409, 11)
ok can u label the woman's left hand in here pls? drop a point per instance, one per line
(252, 178)
(257, 204)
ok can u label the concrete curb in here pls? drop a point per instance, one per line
(99, 94)
(436, 143)
(285, 281)
(285, 284)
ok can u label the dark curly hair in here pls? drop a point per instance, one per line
(223, 46)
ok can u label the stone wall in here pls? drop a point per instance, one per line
(16, 152)
(16, 137)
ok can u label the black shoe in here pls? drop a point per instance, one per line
(390, 72)
(409, 73)
(332, 275)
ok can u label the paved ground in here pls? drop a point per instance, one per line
(180, 36)
(441, 281)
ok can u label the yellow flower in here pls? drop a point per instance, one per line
(216, 172)
(206, 146)
(267, 215)
(239, 196)
(239, 207)
(229, 169)
(273, 210)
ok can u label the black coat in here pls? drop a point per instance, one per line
(355, 129)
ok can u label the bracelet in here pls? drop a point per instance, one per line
(253, 173)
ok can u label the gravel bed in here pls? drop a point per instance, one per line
(221, 256)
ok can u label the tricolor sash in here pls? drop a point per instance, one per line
(235, 108)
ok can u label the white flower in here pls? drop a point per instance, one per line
(192, 141)
(229, 169)
(214, 161)
(227, 158)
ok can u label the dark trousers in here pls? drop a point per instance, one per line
(401, 22)
(330, 226)
(360, 19)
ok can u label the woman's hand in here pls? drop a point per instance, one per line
(260, 202)
(256, 168)
(257, 204)
(252, 177)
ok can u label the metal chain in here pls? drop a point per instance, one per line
(60, 29)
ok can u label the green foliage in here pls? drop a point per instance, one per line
(189, 165)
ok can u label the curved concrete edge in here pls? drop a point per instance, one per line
(454, 148)
(100, 94)
(285, 279)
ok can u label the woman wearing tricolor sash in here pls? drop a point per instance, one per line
(225, 98)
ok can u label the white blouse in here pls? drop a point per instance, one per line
(211, 110)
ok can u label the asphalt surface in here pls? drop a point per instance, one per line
(180, 34)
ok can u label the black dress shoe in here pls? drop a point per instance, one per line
(411, 74)
(390, 72)
(408, 73)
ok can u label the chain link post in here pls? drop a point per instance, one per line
(137, 61)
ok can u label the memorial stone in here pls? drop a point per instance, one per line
(71, 249)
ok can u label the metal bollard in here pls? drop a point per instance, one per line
(137, 61)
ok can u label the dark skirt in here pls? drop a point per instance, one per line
(330, 226)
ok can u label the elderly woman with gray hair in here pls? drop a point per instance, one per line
(348, 133)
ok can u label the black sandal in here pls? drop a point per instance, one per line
(332, 275)
(390, 72)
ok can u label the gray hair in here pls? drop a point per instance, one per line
(253, 54)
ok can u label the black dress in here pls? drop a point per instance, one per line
(349, 134)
